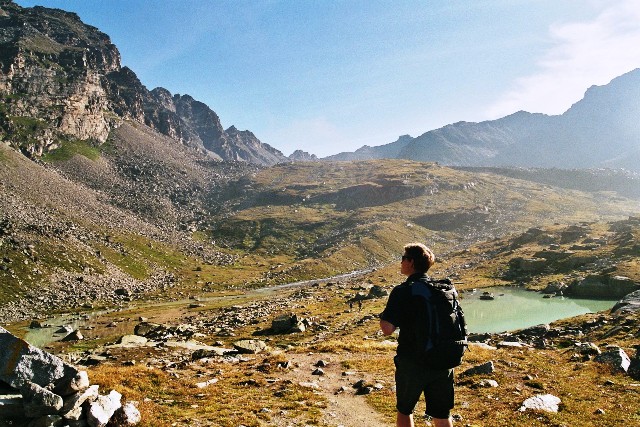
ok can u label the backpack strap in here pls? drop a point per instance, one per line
(421, 288)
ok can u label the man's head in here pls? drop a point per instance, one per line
(420, 256)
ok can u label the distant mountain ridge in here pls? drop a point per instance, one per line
(601, 130)
(61, 78)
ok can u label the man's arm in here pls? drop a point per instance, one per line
(387, 327)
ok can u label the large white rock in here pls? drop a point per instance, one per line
(541, 402)
(103, 408)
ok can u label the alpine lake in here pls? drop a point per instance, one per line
(515, 308)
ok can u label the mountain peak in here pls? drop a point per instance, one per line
(68, 82)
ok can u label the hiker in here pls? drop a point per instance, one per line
(412, 377)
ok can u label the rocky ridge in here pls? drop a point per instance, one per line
(61, 79)
(598, 131)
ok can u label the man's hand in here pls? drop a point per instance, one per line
(386, 327)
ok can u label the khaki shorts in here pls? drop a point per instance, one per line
(413, 379)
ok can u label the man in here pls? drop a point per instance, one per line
(412, 377)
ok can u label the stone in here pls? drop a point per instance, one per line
(145, 329)
(485, 368)
(541, 402)
(126, 415)
(377, 291)
(202, 353)
(629, 304)
(207, 383)
(250, 346)
(21, 363)
(74, 414)
(38, 401)
(510, 344)
(64, 329)
(102, 409)
(602, 286)
(77, 399)
(74, 336)
(486, 384)
(132, 341)
(615, 357)
(78, 383)
(285, 323)
(588, 348)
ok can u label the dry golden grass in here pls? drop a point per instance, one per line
(244, 394)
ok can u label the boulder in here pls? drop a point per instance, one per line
(132, 341)
(78, 383)
(629, 304)
(615, 357)
(39, 401)
(541, 402)
(377, 291)
(287, 323)
(144, 329)
(102, 409)
(76, 400)
(250, 346)
(74, 336)
(602, 286)
(485, 368)
(21, 363)
(126, 415)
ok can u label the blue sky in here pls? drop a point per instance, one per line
(327, 76)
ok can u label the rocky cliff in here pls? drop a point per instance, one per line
(62, 79)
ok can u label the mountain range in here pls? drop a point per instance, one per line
(600, 130)
(61, 79)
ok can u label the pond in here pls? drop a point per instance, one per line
(516, 308)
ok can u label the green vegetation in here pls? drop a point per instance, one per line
(26, 268)
(24, 129)
(67, 148)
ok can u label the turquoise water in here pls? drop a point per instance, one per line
(515, 308)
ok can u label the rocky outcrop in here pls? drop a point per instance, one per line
(629, 304)
(61, 79)
(52, 392)
(302, 156)
(602, 286)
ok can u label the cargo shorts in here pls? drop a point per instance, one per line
(413, 379)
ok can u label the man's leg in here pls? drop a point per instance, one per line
(403, 420)
(442, 422)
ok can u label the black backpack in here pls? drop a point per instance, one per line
(440, 328)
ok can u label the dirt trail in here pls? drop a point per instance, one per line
(343, 408)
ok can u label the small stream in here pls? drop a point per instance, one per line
(40, 337)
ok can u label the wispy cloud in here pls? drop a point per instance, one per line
(583, 54)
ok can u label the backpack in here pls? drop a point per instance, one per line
(440, 327)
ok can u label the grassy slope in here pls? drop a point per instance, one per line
(335, 235)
